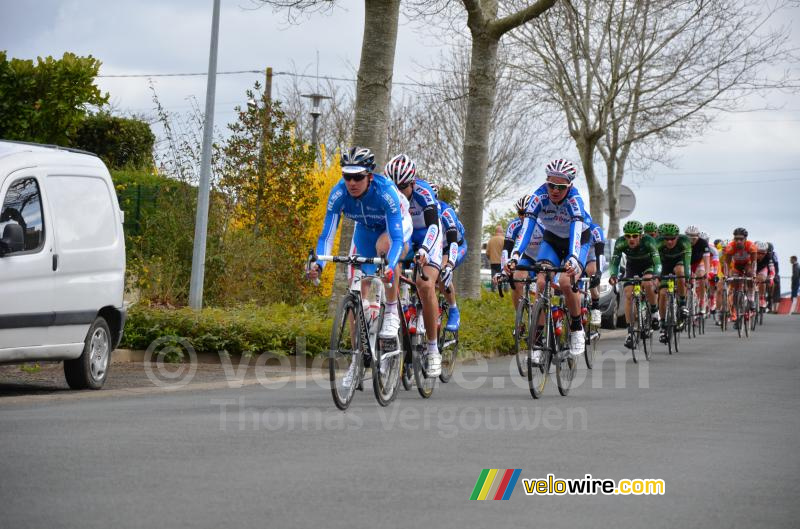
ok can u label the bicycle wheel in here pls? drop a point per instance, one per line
(408, 372)
(739, 311)
(592, 337)
(521, 331)
(448, 346)
(406, 369)
(424, 383)
(690, 316)
(538, 373)
(669, 324)
(566, 365)
(345, 356)
(634, 329)
(647, 333)
(676, 333)
(386, 368)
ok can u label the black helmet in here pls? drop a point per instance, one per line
(740, 232)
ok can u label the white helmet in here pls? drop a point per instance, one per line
(692, 230)
(762, 247)
(562, 169)
(703, 235)
(401, 169)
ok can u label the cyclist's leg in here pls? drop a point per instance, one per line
(761, 278)
(454, 316)
(651, 294)
(699, 273)
(426, 290)
(594, 302)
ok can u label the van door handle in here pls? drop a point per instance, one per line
(55, 262)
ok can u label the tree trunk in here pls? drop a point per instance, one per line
(373, 104)
(483, 70)
(612, 194)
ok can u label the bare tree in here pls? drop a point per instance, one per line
(637, 78)
(430, 125)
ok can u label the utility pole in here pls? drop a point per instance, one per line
(203, 191)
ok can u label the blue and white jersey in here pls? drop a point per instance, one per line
(378, 210)
(567, 220)
(424, 210)
(453, 232)
(451, 222)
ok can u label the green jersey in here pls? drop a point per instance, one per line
(681, 253)
(643, 256)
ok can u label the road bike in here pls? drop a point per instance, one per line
(354, 344)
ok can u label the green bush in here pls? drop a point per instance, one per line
(249, 329)
(120, 142)
(245, 330)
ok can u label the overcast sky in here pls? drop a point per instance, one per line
(744, 172)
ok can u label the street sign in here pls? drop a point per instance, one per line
(627, 202)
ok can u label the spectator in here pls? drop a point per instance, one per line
(795, 282)
(494, 249)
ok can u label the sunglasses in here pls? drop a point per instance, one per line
(404, 186)
(631, 235)
(738, 239)
(670, 238)
(354, 176)
(557, 187)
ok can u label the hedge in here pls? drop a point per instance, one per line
(486, 326)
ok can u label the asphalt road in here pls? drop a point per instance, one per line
(718, 422)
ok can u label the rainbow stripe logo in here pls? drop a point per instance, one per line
(496, 484)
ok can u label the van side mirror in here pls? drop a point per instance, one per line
(13, 239)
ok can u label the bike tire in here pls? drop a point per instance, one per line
(635, 330)
(522, 329)
(539, 373)
(425, 384)
(566, 366)
(448, 346)
(345, 349)
(385, 384)
(647, 332)
(592, 337)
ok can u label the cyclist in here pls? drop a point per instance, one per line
(651, 229)
(765, 272)
(701, 262)
(455, 242)
(426, 240)
(529, 255)
(676, 255)
(595, 263)
(739, 260)
(642, 260)
(775, 292)
(712, 274)
(382, 225)
(558, 207)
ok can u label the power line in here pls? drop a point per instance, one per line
(238, 72)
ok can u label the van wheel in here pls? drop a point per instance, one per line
(90, 370)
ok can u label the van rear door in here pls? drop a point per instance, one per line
(89, 247)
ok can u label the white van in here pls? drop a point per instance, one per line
(62, 261)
